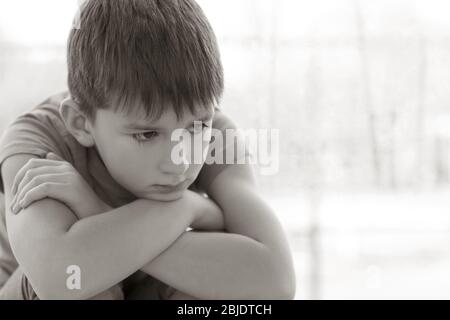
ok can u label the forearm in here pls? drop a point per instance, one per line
(107, 247)
(216, 266)
(252, 260)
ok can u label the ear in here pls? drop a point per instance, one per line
(76, 122)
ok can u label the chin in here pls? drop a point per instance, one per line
(165, 197)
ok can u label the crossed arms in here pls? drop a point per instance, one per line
(250, 261)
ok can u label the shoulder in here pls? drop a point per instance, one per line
(42, 116)
(37, 132)
(48, 109)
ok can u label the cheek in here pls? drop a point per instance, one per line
(125, 161)
(120, 153)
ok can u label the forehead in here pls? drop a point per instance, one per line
(139, 118)
(167, 115)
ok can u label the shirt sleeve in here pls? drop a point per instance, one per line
(30, 133)
(7, 261)
(220, 157)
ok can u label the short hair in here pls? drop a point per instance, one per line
(151, 53)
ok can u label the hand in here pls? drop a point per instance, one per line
(207, 214)
(55, 178)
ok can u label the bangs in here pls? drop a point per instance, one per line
(131, 104)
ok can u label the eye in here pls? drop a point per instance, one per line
(195, 129)
(145, 136)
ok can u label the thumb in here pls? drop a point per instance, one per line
(53, 156)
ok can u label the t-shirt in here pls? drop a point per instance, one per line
(42, 130)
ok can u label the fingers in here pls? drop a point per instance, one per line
(54, 156)
(39, 192)
(35, 172)
(33, 163)
(47, 181)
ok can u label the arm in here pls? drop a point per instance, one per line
(107, 247)
(252, 261)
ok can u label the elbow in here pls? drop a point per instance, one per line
(54, 293)
(46, 287)
(280, 288)
(286, 291)
(287, 282)
(282, 281)
(52, 285)
(51, 279)
(272, 276)
(60, 286)
(274, 290)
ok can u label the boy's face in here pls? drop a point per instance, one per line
(137, 153)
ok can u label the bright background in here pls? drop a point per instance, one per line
(360, 92)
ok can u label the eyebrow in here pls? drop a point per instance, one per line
(142, 126)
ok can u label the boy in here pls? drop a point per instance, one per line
(89, 180)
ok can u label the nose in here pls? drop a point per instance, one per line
(174, 169)
(174, 166)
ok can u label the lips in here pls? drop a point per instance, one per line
(169, 188)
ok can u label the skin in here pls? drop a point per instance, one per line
(250, 260)
(139, 166)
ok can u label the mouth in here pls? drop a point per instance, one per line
(167, 188)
